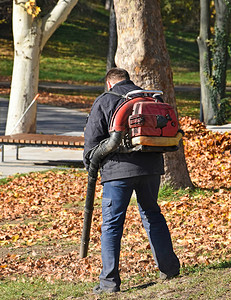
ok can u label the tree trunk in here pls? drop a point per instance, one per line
(221, 54)
(205, 67)
(30, 36)
(142, 51)
(112, 44)
(213, 60)
(26, 70)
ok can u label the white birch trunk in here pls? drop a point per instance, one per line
(24, 85)
(30, 36)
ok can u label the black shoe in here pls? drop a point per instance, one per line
(98, 290)
(164, 276)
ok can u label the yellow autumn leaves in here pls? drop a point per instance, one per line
(32, 9)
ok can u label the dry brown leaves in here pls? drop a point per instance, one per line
(207, 154)
(200, 227)
(79, 102)
(40, 210)
(4, 91)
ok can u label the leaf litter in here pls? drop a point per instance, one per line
(42, 215)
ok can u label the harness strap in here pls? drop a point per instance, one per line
(115, 94)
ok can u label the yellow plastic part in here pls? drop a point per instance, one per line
(160, 141)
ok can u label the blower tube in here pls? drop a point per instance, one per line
(100, 152)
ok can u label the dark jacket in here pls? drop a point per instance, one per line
(117, 165)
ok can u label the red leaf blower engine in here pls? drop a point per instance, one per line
(141, 123)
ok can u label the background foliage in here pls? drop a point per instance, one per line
(182, 12)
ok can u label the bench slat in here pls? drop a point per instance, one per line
(43, 139)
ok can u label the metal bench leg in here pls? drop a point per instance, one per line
(2, 153)
(17, 152)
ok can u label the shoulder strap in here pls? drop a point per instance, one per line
(115, 94)
(147, 94)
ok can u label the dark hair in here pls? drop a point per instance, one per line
(117, 74)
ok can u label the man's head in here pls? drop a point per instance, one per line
(115, 75)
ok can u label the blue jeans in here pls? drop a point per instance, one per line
(116, 197)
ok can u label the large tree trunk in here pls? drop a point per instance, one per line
(213, 60)
(142, 51)
(24, 85)
(30, 36)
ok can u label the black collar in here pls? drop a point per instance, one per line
(123, 82)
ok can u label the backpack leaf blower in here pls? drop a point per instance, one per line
(141, 123)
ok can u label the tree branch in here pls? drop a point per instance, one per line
(55, 18)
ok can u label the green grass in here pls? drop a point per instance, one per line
(6, 66)
(5, 180)
(183, 76)
(77, 50)
(188, 104)
(182, 47)
(197, 283)
(168, 193)
(85, 70)
(183, 52)
(27, 288)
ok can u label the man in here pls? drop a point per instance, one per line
(121, 173)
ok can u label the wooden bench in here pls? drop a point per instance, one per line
(40, 140)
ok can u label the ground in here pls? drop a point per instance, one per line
(42, 213)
